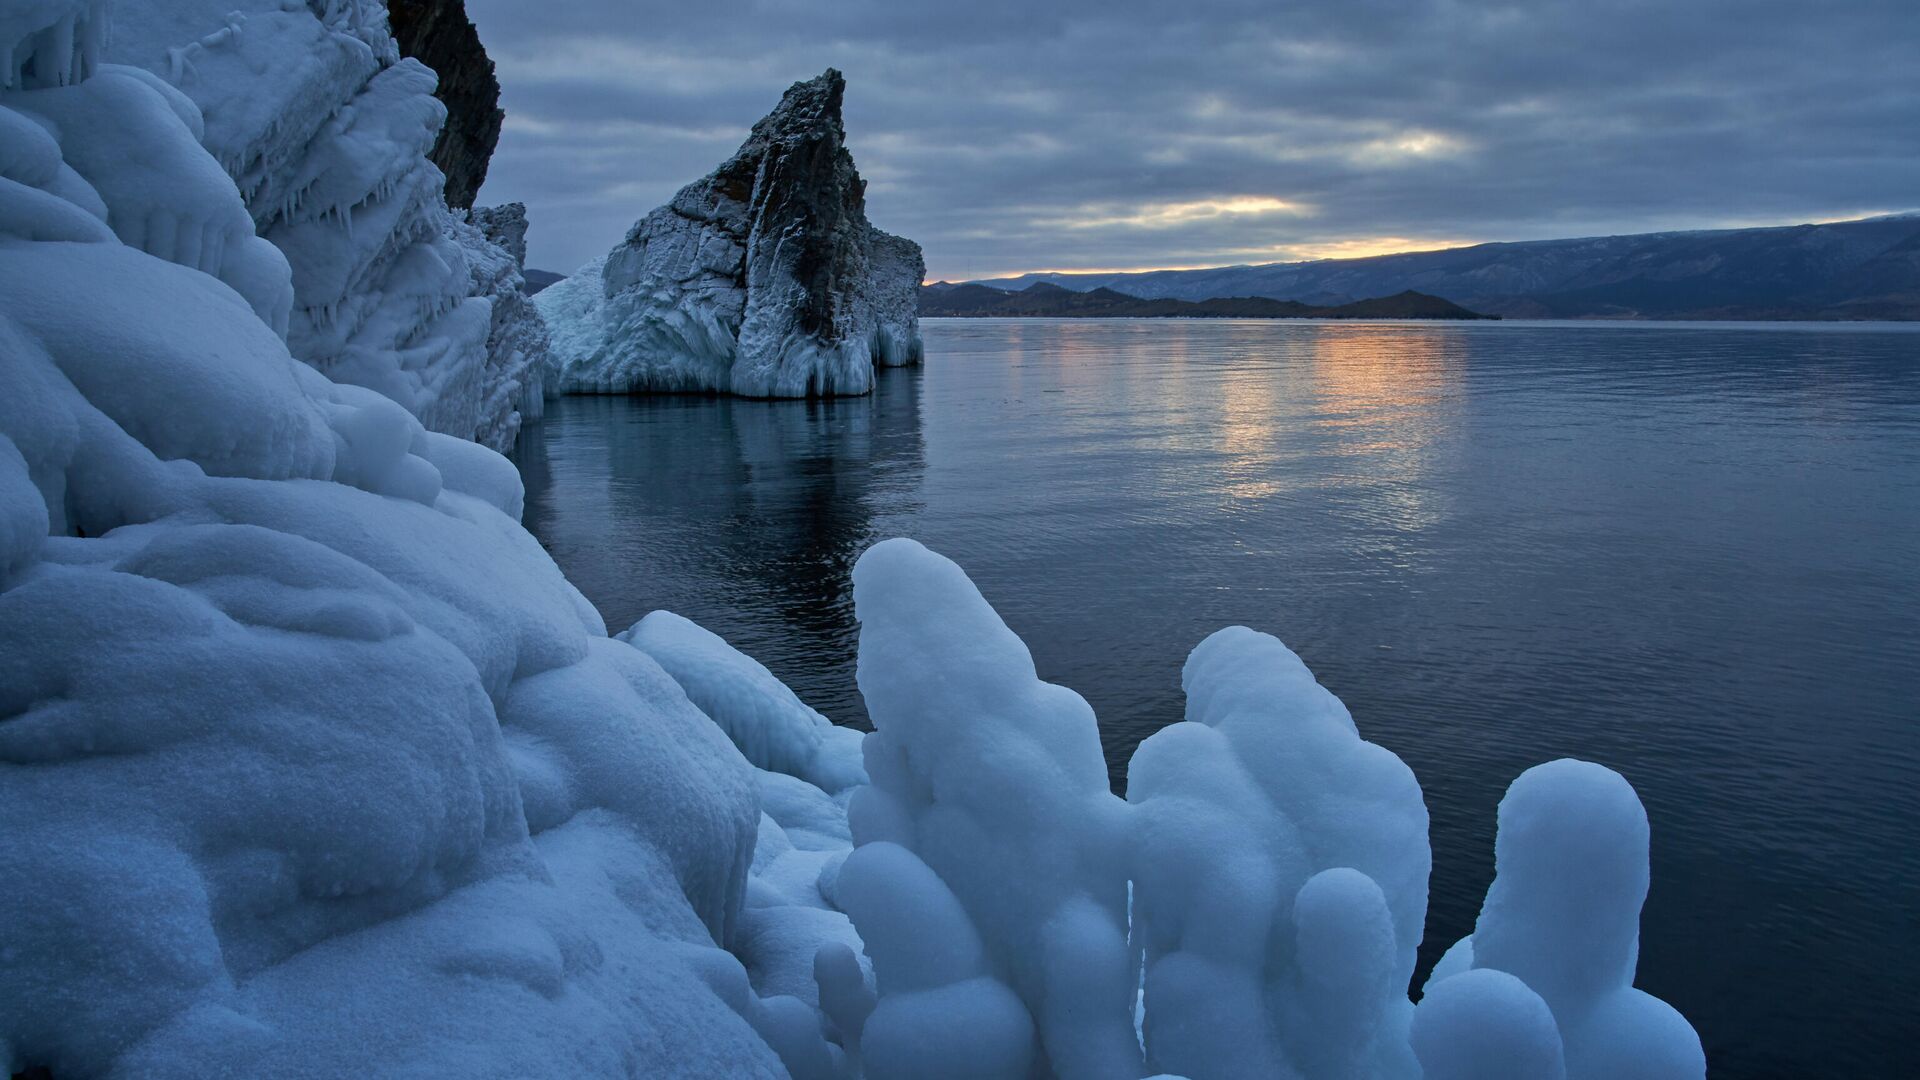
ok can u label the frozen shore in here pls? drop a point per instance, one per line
(312, 763)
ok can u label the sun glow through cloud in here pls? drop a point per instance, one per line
(1362, 247)
(1171, 214)
(1359, 247)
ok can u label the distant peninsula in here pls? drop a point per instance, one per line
(1842, 270)
(1043, 300)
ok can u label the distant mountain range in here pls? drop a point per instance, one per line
(1866, 269)
(1045, 300)
(540, 279)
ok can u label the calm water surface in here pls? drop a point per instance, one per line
(1688, 552)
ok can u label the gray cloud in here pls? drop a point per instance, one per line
(1008, 136)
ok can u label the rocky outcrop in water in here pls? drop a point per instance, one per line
(438, 34)
(763, 279)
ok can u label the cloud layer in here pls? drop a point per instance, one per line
(1058, 134)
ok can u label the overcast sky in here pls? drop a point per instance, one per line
(1012, 135)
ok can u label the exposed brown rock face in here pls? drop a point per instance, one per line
(439, 35)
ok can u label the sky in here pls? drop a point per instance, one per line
(1016, 135)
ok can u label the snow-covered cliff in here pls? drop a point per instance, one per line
(313, 765)
(763, 279)
(326, 129)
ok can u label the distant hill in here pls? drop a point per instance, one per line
(540, 279)
(1867, 269)
(1045, 300)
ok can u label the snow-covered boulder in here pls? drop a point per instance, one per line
(325, 129)
(763, 279)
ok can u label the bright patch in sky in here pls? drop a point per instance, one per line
(1169, 214)
(1361, 247)
(1408, 147)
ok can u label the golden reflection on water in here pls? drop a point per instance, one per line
(1386, 396)
(1255, 411)
(1379, 397)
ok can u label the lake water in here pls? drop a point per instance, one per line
(1687, 551)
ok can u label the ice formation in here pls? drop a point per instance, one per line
(326, 130)
(518, 359)
(763, 279)
(1276, 864)
(982, 774)
(312, 764)
(1265, 818)
(1563, 916)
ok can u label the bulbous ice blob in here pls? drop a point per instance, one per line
(1280, 868)
(1563, 915)
(993, 777)
(1563, 912)
(1486, 1025)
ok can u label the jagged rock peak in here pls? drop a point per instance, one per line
(505, 225)
(763, 278)
(439, 35)
(810, 106)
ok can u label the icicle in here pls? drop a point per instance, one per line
(52, 54)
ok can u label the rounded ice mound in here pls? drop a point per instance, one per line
(176, 360)
(769, 723)
(1486, 1025)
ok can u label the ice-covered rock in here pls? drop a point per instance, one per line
(519, 359)
(326, 131)
(764, 279)
(311, 762)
